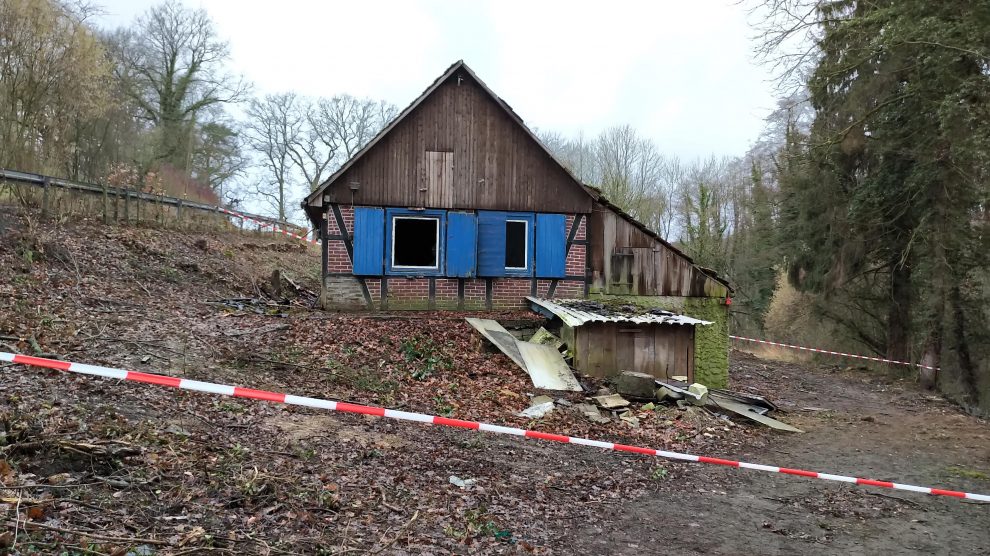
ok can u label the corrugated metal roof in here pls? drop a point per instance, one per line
(575, 312)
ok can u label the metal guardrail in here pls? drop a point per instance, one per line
(41, 181)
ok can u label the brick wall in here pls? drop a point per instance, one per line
(414, 293)
(445, 295)
(474, 294)
(337, 259)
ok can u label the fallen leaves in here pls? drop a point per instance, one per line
(189, 470)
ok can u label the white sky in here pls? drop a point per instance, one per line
(681, 73)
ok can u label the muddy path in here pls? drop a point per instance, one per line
(857, 424)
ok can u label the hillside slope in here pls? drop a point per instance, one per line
(96, 466)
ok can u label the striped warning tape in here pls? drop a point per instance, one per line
(829, 352)
(250, 393)
(268, 225)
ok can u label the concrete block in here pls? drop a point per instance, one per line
(636, 385)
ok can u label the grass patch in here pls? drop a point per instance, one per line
(968, 473)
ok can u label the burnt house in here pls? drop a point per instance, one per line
(456, 204)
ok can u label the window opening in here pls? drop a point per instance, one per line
(516, 244)
(415, 242)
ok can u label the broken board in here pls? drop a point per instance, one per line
(499, 336)
(748, 412)
(546, 367)
(544, 364)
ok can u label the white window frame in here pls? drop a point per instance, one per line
(525, 244)
(436, 248)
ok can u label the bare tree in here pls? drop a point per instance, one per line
(275, 124)
(705, 209)
(52, 74)
(350, 123)
(315, 147)
(172, 64)
(218, 157)
(787, 36)
(577, 154)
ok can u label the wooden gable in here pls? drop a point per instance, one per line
(627, 259)
(457, 147)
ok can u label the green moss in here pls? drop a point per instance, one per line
(711, 343)
(969, 473)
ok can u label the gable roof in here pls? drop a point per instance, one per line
(312, 201)
(312, 204)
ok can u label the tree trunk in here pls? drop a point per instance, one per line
(899, 314)
(966, 370)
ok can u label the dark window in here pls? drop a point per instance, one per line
(415, 242)
(516, 243)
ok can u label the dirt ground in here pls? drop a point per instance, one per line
(92, 466)
(857, 424)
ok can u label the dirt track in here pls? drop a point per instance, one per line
(885, 430)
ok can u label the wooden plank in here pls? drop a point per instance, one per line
(607, 339)
(593, 342)
(690, 354)
(608, 248)
(644, 359)
(624, 338)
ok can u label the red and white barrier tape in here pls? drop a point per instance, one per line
(816, 350)
(268, 225)
(238, 392)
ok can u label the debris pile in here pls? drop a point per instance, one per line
(607, 406)
(542, 358)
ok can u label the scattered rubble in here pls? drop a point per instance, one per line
(611, 401)
(462, 483)
(541, 406)
(592, 413)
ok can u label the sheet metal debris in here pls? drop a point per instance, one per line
(546, 367)
(544, 364)
(575, 312)
(747, 411)
(751, 407)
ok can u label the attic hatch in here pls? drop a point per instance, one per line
(415, 242)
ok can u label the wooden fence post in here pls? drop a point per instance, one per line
(106, 205)
(178, 212)
(44, 198)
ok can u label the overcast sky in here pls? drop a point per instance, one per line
(680, 72)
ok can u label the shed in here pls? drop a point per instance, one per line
(605, 339)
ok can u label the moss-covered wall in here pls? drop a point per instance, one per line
(711, 343)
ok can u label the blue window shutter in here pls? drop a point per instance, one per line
(491, 243)
(551, 245)
(369, 240)
(462, 242)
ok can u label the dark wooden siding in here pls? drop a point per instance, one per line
(605, 349)
(625, 260)
(460, 149)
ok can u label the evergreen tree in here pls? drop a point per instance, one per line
(891, 199)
